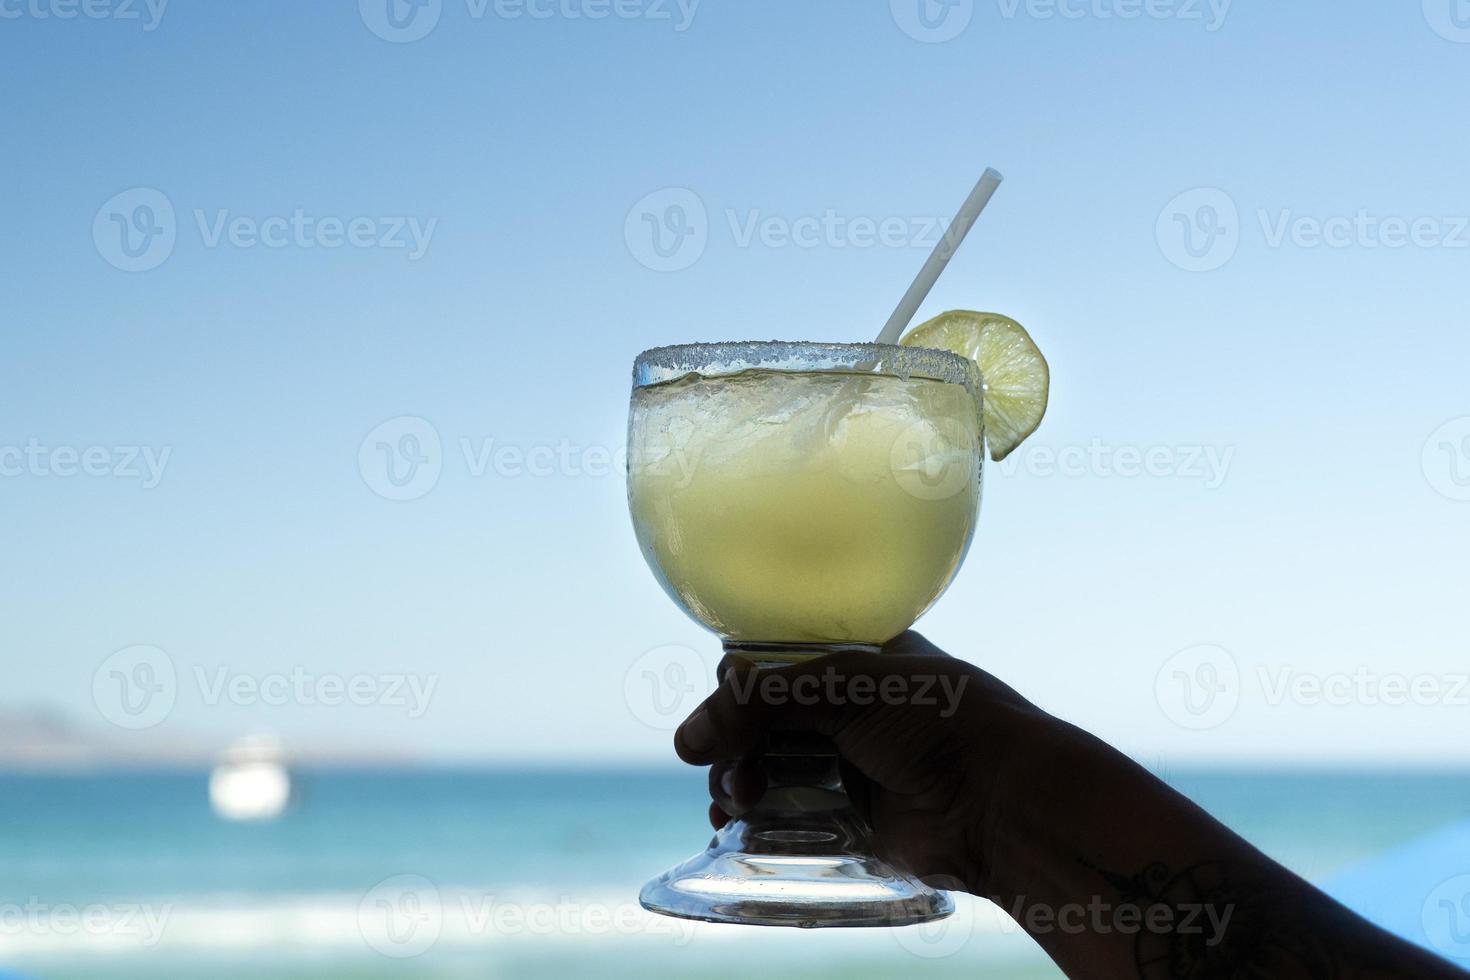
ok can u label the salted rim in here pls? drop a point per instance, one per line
(661, 364)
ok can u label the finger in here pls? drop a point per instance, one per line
(912, 644)
(747, 784)
(717, 817)
(732, 661)
(737, 785)
(749, 703)
(720, 779)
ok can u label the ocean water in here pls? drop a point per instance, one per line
(480, 873)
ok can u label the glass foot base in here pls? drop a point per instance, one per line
(802, 858)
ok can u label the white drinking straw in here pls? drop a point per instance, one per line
(939, 258)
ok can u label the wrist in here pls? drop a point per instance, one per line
(1044, 781)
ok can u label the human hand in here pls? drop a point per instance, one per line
(927, 743)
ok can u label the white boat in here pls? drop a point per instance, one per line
(250, 780)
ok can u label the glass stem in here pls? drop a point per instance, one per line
(801, 768)
(802, 773)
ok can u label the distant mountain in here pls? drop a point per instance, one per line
(46, 739)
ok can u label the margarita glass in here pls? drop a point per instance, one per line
(799, 499)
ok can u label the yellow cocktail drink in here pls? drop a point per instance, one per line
(805, 506)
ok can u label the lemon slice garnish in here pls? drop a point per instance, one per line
(1015, 374)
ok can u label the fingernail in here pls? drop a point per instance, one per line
(727, 784)
(698, 733)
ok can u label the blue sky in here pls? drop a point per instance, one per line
(1325, 380)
